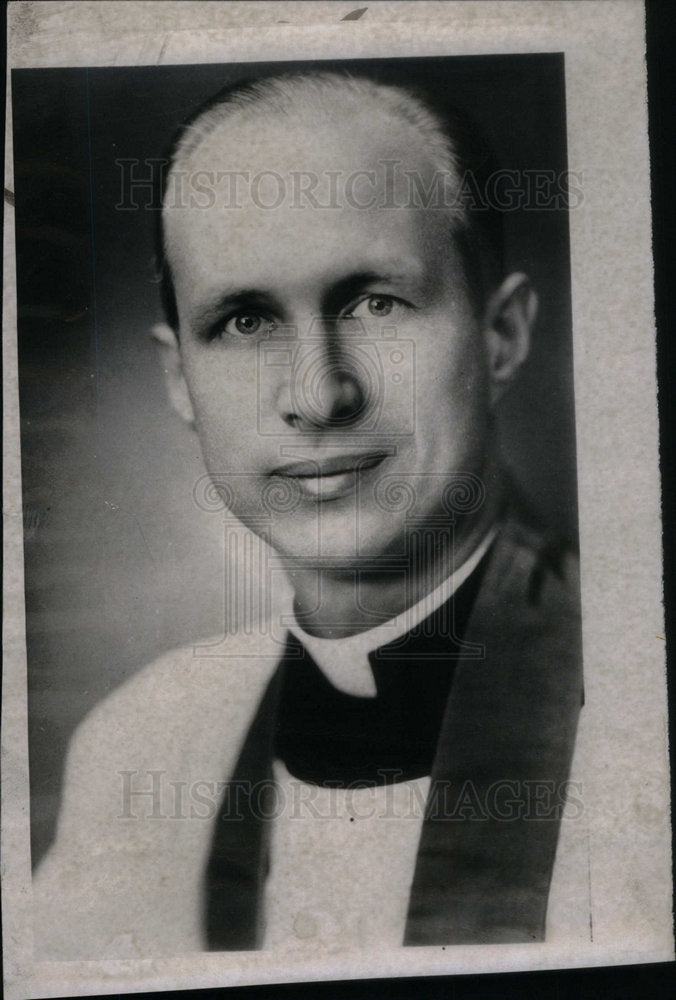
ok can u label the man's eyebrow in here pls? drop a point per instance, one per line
(244, 298)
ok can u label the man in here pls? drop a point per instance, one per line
(341, 343)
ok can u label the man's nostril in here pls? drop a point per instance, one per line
(329, 395)
(349, 401)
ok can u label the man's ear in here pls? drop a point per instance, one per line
(170, 359)
(508, 322)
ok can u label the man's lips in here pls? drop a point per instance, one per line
(329, 478)
(331, 466)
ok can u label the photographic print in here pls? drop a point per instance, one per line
(312, 682)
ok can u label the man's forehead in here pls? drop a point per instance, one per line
(278, 199)
(306, 142)
(289, 236)
(286, 250)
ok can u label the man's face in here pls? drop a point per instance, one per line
(337, 373)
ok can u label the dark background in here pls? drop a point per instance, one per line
(120, 563)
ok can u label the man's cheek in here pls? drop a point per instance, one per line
(225, 405)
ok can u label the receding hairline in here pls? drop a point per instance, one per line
(310, 95)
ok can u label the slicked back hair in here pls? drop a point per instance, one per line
(451, 144)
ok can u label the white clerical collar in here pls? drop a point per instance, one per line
(345, 661)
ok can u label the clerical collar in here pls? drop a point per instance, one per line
(345, 662)
(325, 735)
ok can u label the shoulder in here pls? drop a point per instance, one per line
(527, 610)
(536, 560)
(530, 591)
(188, 678)
(151, 756)
(189, 707)
(182, 719)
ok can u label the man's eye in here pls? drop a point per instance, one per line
(247, 324)
(373, 305)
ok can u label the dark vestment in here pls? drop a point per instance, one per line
(502, 690)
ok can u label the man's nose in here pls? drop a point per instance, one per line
(326, 394)
(326, 388)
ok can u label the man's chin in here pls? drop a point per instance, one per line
(337, 557)
(334, 537)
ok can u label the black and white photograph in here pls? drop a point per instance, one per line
(305, 486)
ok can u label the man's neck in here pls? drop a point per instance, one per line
(334, 604)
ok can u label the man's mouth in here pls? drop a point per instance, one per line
(329, 478)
